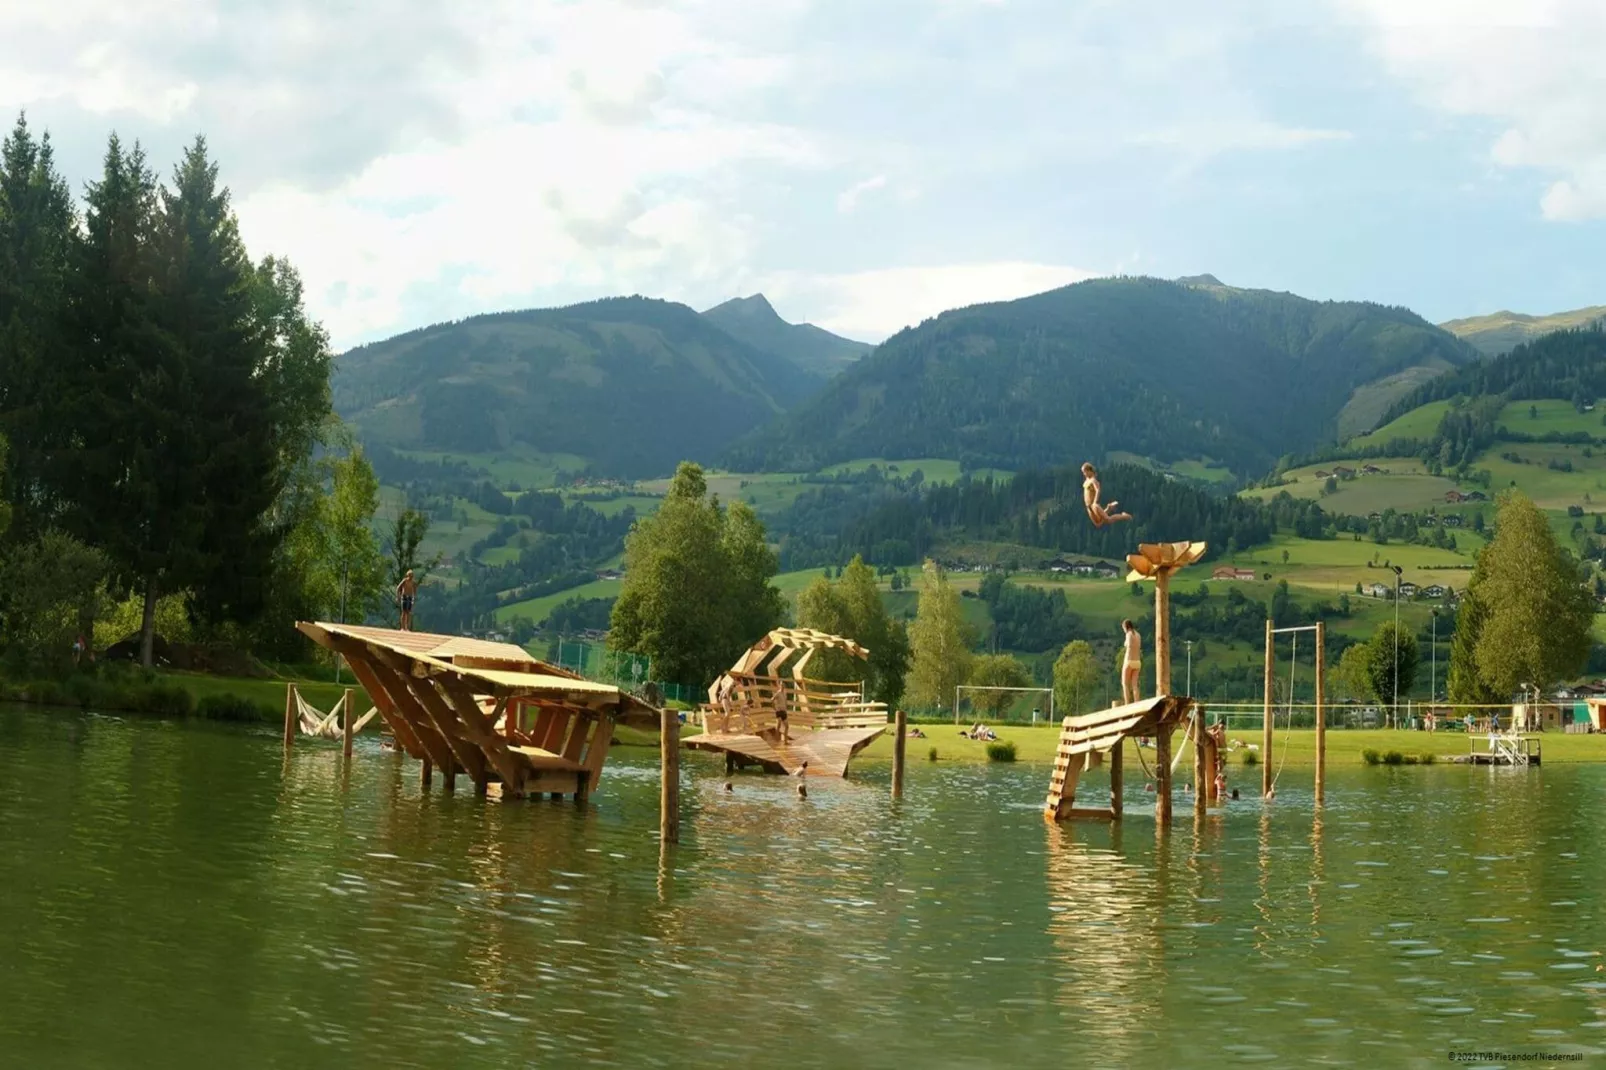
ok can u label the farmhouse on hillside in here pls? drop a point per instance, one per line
(1227, 572)
(1376, 590)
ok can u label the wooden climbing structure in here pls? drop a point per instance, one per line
(826, 723)
(1084, 738)
(489, 710)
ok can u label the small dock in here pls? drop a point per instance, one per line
(1506, 750)
(489, 710)
(1084, 738)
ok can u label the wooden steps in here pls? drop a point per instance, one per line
(1099, 732)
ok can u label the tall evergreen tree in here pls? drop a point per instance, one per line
(36, 235)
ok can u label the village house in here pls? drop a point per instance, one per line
(1323, 475)
(1453, 520)
(1454, 497)
(1408, 590)
(610, 574)
(1059, 564)
(1434, 590)
(1227, 572)
(1105, 570)
(1371, 470)
(1377, 590)
(1344, 473)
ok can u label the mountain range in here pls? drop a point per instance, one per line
(629, 384)
(1164, 370)
(1169, 371)
(1501, 332)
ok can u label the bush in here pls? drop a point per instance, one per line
(1000, 752)
(1429, 759)
(1393, 757)
(1412, 759)
(931, 755)
(1371, 756)
(230, 707)
(1251, 758)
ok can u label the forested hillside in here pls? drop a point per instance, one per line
(813, 350)
(903, 523)
(1164, 370)
(631, 385)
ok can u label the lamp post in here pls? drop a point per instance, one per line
(1394, 714)
(1189, 690)
(1433, 679)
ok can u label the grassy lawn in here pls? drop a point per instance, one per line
(1550, 489)
(536, 609)
(1344, 747)
(1420, 422)
(1552, 415)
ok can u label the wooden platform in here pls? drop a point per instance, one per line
(1098, 733)
(827, 751)
(490, 710)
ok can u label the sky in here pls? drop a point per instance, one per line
(866, 164)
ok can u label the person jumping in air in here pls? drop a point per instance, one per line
(1099, 514)
(406, 591)
(1132, 666)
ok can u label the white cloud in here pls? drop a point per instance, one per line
(1533, 68)
(870, 305)
(848, 199)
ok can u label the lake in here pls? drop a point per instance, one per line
(175, 894)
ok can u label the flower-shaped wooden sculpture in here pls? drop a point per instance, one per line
(1157, 561)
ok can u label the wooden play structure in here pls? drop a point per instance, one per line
(1268, 778)
(1083, 738)
(489, 710)
(826, 723)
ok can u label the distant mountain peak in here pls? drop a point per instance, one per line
(1206, 279)
(816, 351)
(1500, 332)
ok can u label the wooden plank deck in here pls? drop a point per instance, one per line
(827, 752)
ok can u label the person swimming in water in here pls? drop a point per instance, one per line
(1099, 514)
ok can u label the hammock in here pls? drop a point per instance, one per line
(314, 722)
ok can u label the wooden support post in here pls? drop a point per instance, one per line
(1162, 632)
(350, 719)
(900, 724)
(1162, 776)
(426, 774)
(1321, 711)
(669, 772)
(1202, 773)
(449, 776)
(1117, 784)
(289, 717)
(1265, 724)
(1212, 757)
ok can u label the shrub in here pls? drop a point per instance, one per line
(1000, 752)
(1429, 759)
(1371, 756)
(1412, 759)
(931, 755)
(1251, 758)
(1393, 757)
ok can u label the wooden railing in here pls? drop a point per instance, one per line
(808, 703)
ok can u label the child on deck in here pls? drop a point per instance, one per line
(1099, 514)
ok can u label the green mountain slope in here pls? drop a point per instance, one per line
(812, 349)
(630, 384)
(1502, 332)
(1161, 369)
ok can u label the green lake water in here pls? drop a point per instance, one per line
(175, 894)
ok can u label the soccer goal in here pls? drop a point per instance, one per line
(1020, 705)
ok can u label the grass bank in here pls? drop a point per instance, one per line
(128, 690)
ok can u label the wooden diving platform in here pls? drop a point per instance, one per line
(490, 710)
(827, 723)
(1090, 734)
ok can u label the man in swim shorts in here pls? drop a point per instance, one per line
(1099, 514)
(406, 592)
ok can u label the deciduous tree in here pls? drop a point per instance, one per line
(1000, 671)
(1076, 674)
(939, 642)
(852, 607)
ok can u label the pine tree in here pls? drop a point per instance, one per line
(36, 236)
(938, 641)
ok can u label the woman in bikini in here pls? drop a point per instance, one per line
(1099, 514)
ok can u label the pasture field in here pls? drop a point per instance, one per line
(536, 609)
(1420, 422)
(1202, 469)
(1549, 415)
(1404, 486)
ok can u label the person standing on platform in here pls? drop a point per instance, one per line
(781, 711)
(1132, 665)
(406, 592)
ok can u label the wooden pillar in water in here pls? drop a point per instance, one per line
(1212, 757)
(900, 723)
(1162, 777)
(426, 774)
(1162, 632)
(1117, 783)
(1265, 724)
(1202, 773)
(669, 778)
(289, 716)
(449, 775)
(1321, 711)
(350, 718)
